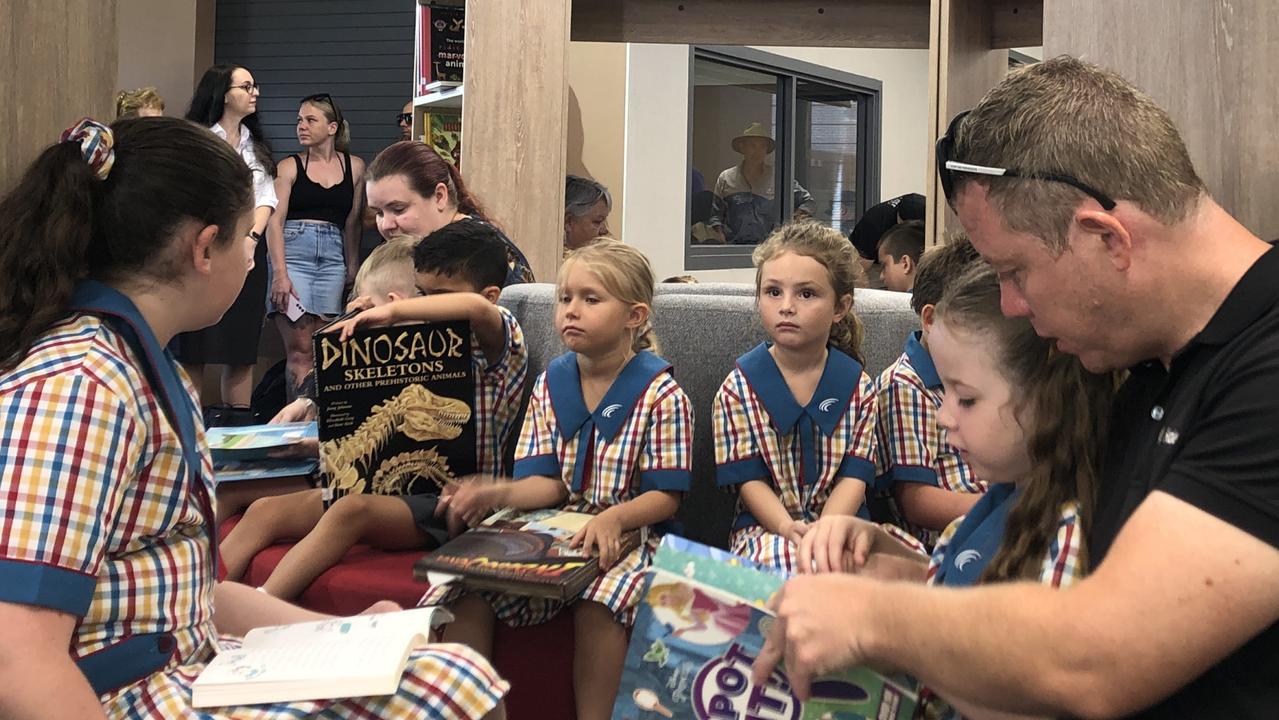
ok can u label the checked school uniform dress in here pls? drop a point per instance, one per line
(105, 514)
(499, 390)
(912, 447)
(639, 438)
(762, 433)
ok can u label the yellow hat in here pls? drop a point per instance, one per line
(753, 130)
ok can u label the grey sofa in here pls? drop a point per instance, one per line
(702, 329)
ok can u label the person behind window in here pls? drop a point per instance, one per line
(744, 210)
(587, 204)
(143, 102)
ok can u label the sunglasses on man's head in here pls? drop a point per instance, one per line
(406, 118)
(947, 166)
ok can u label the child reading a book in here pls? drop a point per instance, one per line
(608, 432)
(460, 269)
(929, 483)
(795, 420)
(115, 240)
(1030, 421)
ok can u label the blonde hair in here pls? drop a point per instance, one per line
(1069, 117)
(834, 252)
(342, 140)
(625, 274)
(129, 102)
(388, 269)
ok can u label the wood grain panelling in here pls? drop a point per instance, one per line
(799, 23)
(1211, 65)
(360, 53)
(1016, 23)
(59, 64)
(516, 120)
(962, 67)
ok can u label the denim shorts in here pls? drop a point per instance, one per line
(313, 254)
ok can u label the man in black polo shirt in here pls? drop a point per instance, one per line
(1079, 191)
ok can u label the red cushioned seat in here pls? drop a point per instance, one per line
(536, 660)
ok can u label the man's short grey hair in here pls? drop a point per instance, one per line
(581, 194)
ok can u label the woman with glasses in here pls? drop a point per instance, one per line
(226, 101)
(315, 244)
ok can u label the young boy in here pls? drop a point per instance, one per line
(899, 252)
(459, 270)
(930, 483)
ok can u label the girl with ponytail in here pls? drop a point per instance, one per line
(609, 433)
(794, 422)
(115, 240)
(315, 233)
(413, 191)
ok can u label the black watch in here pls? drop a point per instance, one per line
(257, 235)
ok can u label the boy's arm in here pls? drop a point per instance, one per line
(486, 320)
(530, 493)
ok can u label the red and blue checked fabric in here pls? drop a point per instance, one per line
(499, 390)
(1061, 566)
(651, 449)
(747, 439)
(95, 522)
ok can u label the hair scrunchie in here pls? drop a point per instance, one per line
(95, 142)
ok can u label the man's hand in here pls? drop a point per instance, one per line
(807, 635)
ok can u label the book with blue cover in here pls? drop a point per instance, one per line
(701, 623)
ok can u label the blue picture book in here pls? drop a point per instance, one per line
(701, 623)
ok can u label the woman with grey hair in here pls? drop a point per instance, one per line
(586, 207)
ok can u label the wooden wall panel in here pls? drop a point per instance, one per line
(1016, 23)
(962, 68)
(516, 120)
(1210, 64)
(59, 63)
(796, 23)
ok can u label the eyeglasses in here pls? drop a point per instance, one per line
(947, 167)
(327, 98)
(250, 88)
(406, 118)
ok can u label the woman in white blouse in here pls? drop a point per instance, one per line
(226, 101)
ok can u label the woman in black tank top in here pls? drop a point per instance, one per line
(314, 249)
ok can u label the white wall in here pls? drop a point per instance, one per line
(655, 165)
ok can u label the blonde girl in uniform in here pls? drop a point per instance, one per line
(608, 432)
(795, 420)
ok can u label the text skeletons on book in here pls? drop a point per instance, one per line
(397, 408)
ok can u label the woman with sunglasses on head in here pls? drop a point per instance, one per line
(226, 101)
(315, 244)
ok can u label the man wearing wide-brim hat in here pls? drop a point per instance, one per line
(745, 208)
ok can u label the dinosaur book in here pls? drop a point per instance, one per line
(396, 408)
(523, 553)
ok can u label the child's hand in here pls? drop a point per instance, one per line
(300, 410)
(469, 501)
(793, 530)
(836, 543)
(381, 315)
(605, 535)
(363, 302)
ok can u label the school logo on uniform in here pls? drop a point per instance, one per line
(611, 410)
(827, 404)
(966, 557)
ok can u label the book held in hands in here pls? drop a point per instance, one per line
(395, 408)
(523, 553)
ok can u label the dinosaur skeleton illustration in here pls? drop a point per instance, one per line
(417, 413)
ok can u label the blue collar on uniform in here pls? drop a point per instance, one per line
(922, 361)
(160, 369)
(978, 538)
(564, 382)
(828, 406)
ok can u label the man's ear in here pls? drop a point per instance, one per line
(203, 242)
(1106, 227)
(492, 293)
(927, 316)
(908, 264)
